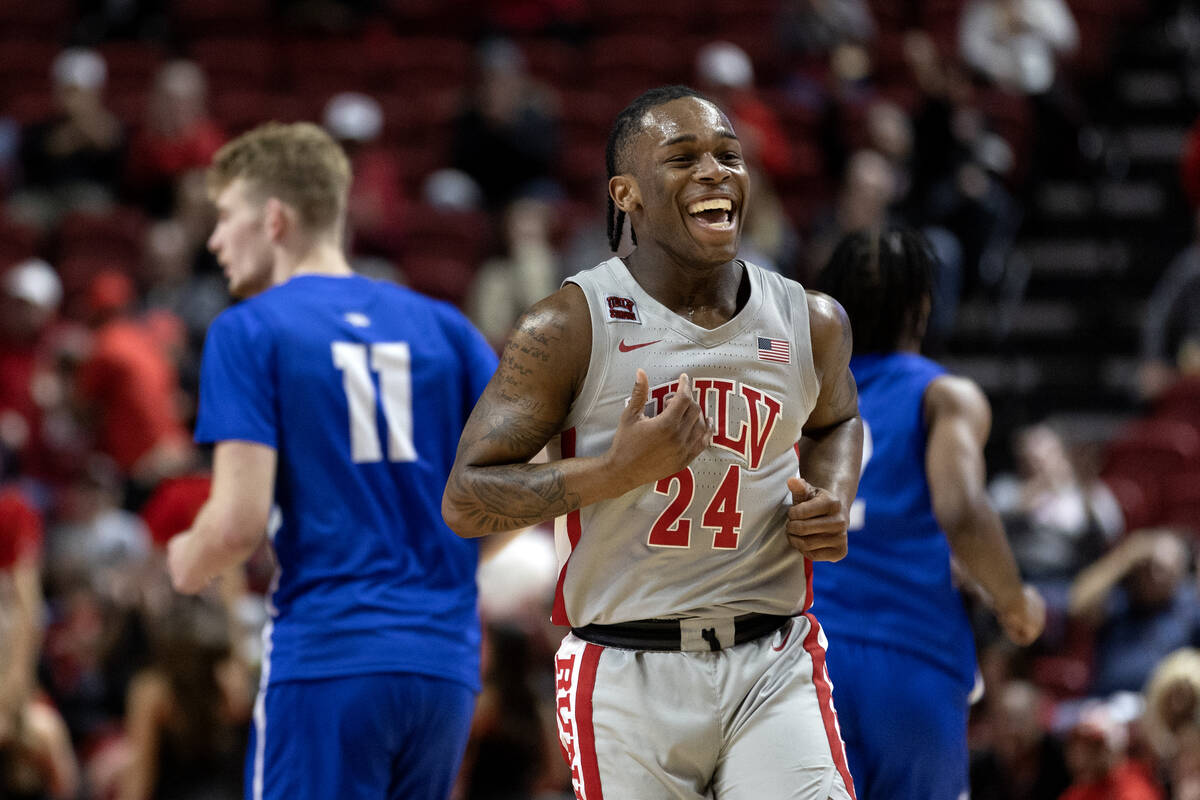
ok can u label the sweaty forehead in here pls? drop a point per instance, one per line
(687, 116)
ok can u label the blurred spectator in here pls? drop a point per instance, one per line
(21, 606)
(93, 541)
(1017, 43)
(1056, 523)
(177, 135)
(808, 28)
(30, 294)
(1172, 714)
(169, 283)
(127, 385)
(1142, 606)
(1021, 760)
(867, 190)
(74, 159)
(1171, 321)
(959, 172)
(452, 190)
(1100, 770)
(725, 73)
(36, 759)
(187, 714)
(377, 205)
(507, 134)
(506, 286)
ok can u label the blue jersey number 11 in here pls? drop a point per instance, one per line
(393, 363)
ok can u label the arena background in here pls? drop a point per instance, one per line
(1046, 149)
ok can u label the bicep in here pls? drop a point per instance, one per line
(959, 419)
(530, 394)
(832, 344)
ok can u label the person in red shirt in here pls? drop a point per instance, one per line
(1098, 763)
(128, 387)
(30, 294)
(177, 136)
(20, 597)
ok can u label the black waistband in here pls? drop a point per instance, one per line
(663, 634)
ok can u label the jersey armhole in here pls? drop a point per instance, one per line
(809, 383)
(598, 360)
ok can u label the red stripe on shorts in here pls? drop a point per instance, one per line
(812, 644)
(585, 735)
(558, 614)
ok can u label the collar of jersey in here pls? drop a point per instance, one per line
(705, 337)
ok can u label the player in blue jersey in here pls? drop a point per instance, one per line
(340, 400)
(901, 652)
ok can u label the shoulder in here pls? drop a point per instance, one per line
(828, 324)
(566, 308)
(954, 395)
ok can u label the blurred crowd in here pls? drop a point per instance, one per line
(477, 133)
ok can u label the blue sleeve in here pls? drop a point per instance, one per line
(237, 386)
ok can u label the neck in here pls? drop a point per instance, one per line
(319, 257)
(690, 290)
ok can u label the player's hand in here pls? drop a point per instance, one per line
(1024, 621)
(645, 449)
(817, 522)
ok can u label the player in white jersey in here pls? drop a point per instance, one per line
(705, 445)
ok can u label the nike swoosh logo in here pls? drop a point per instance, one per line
(625, 348)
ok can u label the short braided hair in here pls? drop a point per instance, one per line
(627, 125)
(882, 278)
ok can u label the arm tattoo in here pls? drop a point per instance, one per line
(509, 496)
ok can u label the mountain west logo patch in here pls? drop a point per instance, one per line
(622, 309)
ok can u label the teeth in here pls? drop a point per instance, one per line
(715, 204)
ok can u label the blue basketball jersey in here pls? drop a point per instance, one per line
(362, 387)
(894, 585)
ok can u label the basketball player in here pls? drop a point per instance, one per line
(673, 387)
(342, 399)
(903, 657)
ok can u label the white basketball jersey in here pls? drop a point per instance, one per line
(708, 541)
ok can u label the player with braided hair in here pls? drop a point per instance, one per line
(705, 441)
(903, 655)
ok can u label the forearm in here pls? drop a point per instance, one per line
(483, 500)
(831, 458)
(215, 543)
(979, 544)
(1092, 586)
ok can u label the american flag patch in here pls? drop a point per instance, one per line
(774, 350)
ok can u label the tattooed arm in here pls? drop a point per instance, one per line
(831, 448)
(493, 487)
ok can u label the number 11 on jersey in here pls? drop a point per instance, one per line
(393, 362)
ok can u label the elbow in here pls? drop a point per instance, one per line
(239, 532)
(455, 519)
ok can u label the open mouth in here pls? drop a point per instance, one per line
(714, 214)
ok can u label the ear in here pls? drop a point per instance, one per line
(625, 192)
(278, 219)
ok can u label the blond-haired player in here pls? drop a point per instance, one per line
(338, 399)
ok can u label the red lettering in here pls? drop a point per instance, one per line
(760, 433)
(564, 671)
(722, 438)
